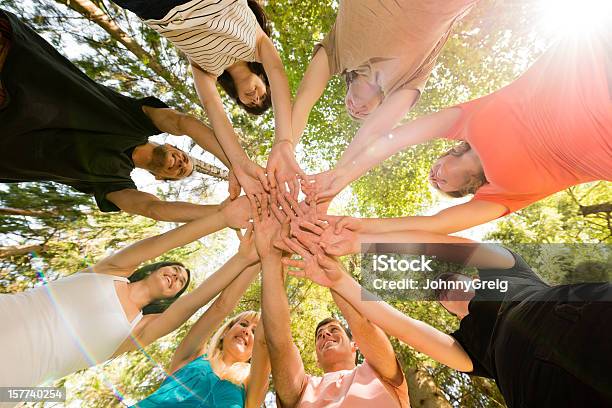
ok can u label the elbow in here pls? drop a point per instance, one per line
(184, 122)
(223, 305)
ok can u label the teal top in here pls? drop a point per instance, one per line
(196, 385)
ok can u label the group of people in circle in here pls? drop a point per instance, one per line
(546, 131)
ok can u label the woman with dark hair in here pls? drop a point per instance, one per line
(107, 309)
(385, 50)
(548, 130)
(228, 368)
(227, 41)
(544, 346)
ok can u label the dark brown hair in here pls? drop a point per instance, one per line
(474, 182)
(226, 81)
(159, 305)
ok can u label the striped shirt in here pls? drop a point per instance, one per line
(214, 34)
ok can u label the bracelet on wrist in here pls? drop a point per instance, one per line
(285, 141)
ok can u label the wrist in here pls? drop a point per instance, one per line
(285, 142)
(271, 258)
(341, 285)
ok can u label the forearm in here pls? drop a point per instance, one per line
(375, 143)
(311, 88)
(125, 261)
(281, 103)
(224, 132)
(185, 306)
(204, 137)
(231, 295)
(259, 377)
(448, 221)
(275, 308)
(421, 336)
(179, 211)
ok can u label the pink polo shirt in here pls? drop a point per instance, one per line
(360, 387)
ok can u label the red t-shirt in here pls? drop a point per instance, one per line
(549, 129)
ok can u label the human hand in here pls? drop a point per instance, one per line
(296, 213)
(337, 244)
(247, 250)
(252, 179)
(314, 265)
(323, 187)
(267, 228)
(283, 169)
(236, 213)
(233, 187)
(340, 222)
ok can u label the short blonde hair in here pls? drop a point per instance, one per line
(474, 181)
(237, 373)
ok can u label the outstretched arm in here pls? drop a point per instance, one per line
(259, 377)
(142, 203)
(447, 221)
(372, 342)
(336, 238)
(282, 167)
(378, 145)
(311, 88)
(419, 335)
(327, 271)
(252, 177)
(153, 327)
(284, 355)
(194, 342)
(279, 85)
(125, 261)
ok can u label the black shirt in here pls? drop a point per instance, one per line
(59, 125)
(539, 342)
(148, 9)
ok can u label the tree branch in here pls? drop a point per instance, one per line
(27, 213)
(9, 251)
(595, 208)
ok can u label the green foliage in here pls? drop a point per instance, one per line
(489, 49)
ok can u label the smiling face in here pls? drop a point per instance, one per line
(170, 163)
(167, 281)
(333, 345)
(252, 90)
(450, 173)
(362, 97)
(238, 339)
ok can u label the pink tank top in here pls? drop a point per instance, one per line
(361, 387)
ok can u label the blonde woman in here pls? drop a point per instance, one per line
(227, 369)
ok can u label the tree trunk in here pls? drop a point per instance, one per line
(8, 251)
(424, 392)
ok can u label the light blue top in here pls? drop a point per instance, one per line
(196, 385)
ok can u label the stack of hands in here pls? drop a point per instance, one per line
(284, 227)
(283, 174)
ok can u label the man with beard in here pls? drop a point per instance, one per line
(56, 124)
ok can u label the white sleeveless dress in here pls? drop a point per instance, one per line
(56, 329)
(214, 34)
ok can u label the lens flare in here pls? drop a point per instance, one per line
(568, 17)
